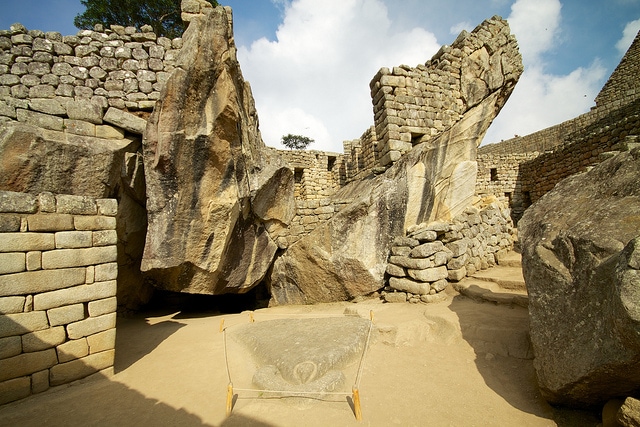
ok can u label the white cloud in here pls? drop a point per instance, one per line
(629, 33)
(314, 78)
(457, 28)
(536, 24)
(541, 99)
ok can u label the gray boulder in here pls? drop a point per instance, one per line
(581, 260)
(216, 196)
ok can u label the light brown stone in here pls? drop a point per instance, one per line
(65, 315)
(91, 326)
(73, 295)
(102, 341)
(73, 239)
(65, 258)
(50, 222)
(33, 282)
(103, 306)
(73, 349)
(14, 389)
(22, 323)
(10, 346)
(27, 364)
(40, 381)
(104, 272)
(100, 222)
(12, 262)
(23, 242)
(80, 368)
(10, 305)
(44, 339)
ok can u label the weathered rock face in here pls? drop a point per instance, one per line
(347, 256)
(581, 263)
(213, 189)
(35, 160)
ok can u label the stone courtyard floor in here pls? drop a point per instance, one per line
(453, 363)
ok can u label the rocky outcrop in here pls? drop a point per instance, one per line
(216, 197)
(347, 256)
(581, 263)
(38, 160)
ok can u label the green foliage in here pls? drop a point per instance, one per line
(296, 142)
(162, 15)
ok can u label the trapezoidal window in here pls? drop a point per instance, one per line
(494, 174)
(297, 175)
(331, 162)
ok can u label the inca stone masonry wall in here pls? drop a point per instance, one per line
(58, 274)
(540, 160)
(41, 73)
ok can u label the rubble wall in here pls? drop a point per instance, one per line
(58, 275)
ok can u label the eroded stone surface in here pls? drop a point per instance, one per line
(580, 248)
(212, 187)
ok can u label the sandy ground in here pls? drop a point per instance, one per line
(454, 363)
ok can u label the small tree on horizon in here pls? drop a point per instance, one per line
(296, 142)
(163, 15)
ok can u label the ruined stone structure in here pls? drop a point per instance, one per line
(58, 275)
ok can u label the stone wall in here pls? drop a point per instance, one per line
(58, 274)
(40, 73)
(423, 263)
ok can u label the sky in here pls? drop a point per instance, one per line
(310, 62)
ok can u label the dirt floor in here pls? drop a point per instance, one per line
(454, 363)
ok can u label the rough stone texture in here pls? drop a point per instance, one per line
(580, 251)
(426, 184)
(212, 186)
(629, 413)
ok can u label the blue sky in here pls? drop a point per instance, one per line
(309, 62)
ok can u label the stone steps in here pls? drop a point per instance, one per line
(502, 284)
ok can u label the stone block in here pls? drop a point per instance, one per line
(40, 381)
(105, 340)
(44, 339)
(395, 297)
(50, 222)
(65, 258)
(414, 263)
(108, 207)
(408, 285)
(440, 285)
(126, 121)
(12, 262)
(80, 368)
(91, 274)
(24, 242)
(74, 295)
(33, 282)
(34, 260)
(105, 238)
(441, 258)
(103, 306)
(65, 315)
(425, 250)
(71, 350)
(75, 205)
(15, 389)
(396, 271)
(22, 323)
(459, 247)
(426, 236)
(390, 157)
(27, 364)
(73, 239)
(91, 326)
(104, 272)
(458, 262)
(10, 346)
(11, 305)
(38, 119)
(79, 127)
(85, 111)
(458, 274)
(95, 223)
(51, 106)
(9, 223)
(430, 274)
(13, 202)
(109, 132)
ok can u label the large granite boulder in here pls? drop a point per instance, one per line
(581, 262)
(216, 196)
(346, 256)
(36, 160)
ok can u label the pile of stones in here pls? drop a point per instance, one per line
(422, 264)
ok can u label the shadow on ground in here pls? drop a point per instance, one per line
(503, 352)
